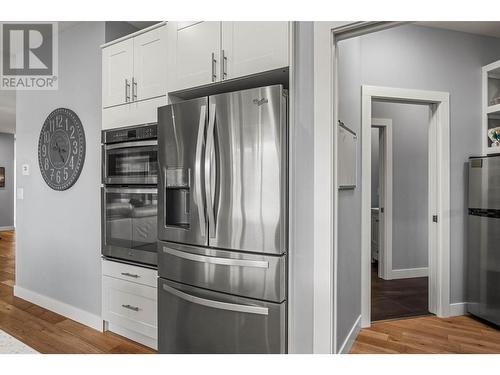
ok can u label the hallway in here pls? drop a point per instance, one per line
(398, 298)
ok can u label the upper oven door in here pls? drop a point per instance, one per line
(131, 163)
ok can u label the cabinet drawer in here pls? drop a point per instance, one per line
(127, 272)
(130, 305)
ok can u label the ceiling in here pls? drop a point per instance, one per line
(486, 28)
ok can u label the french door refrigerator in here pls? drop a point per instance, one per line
(484, 238)
(222, 223)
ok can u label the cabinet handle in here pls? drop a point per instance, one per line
(130, 275)
(134, 89)
(130, 307)
(224, 65)
(127, 90)
(214, 73)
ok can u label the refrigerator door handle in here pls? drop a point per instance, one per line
(197, 171)
(216, 304)
(208, 172)
(216, 260)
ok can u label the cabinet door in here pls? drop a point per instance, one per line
(195, 45)
(117, 69)
(150, 64)
(253, 47)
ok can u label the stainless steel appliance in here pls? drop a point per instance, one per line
(130, 155)
(484, 238)
(130, 194)
(222, 223)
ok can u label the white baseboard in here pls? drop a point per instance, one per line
(5, 229)
(407, 273)
(457, 309)
(61, 308)
(351, 337)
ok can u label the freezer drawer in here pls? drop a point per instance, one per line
(484, 268)
(249, 275)
(194, 320)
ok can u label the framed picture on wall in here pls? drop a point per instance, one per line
(2, 177)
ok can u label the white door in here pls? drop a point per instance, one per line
(117, 70)
(253, 47)
(150, 64)
(197, 54)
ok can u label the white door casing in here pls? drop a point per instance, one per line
(439, 193)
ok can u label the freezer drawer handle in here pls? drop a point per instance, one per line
(216, 260)
(216, 304)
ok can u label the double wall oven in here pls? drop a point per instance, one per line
(130, 194)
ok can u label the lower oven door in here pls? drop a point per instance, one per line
(195, 320)
(129, 224)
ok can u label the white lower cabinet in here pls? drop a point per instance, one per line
(129, 308)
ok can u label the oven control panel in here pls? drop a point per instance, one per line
(130, 134)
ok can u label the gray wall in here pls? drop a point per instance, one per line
(302, 193)
(410, 195)
(58, 233)
(419, 58)
(7, 193)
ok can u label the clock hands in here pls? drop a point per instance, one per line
(59, 151)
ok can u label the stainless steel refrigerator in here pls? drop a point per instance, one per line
(483, 261)
(222, 224)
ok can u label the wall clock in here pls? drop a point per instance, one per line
(61, 149)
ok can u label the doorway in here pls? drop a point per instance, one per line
(399, 210)
(438, 193)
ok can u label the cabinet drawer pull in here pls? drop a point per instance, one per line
(127, 90)
(130, 307)
(134, 89)
(214, 73)
(130, 275)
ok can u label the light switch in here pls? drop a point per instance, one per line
(26, 169)
(20, 194)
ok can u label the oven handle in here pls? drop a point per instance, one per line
(216, 304)
(114, 146)
(130, 190)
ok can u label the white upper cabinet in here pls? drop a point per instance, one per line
(135, 68)
(208, 52)
(197, 48)
(253, 47)
(117, 72)
(150, 68)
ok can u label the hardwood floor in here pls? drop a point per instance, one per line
(399, 298)
(43, 330)
(428, 335)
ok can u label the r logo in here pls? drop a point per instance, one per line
(27, 49)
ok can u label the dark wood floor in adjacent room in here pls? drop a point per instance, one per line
(43, 330)
(399, 298)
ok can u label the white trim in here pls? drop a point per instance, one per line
(61, 308)
(351, 337)
(8, 228)
(406, 273)
(439, 193)
(385, 218)
(458, 309)
(134, 336)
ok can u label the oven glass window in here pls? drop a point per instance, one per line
(132, 162)
(130, 219)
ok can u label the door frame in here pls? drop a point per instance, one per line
(439, 193)
(385, 192)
